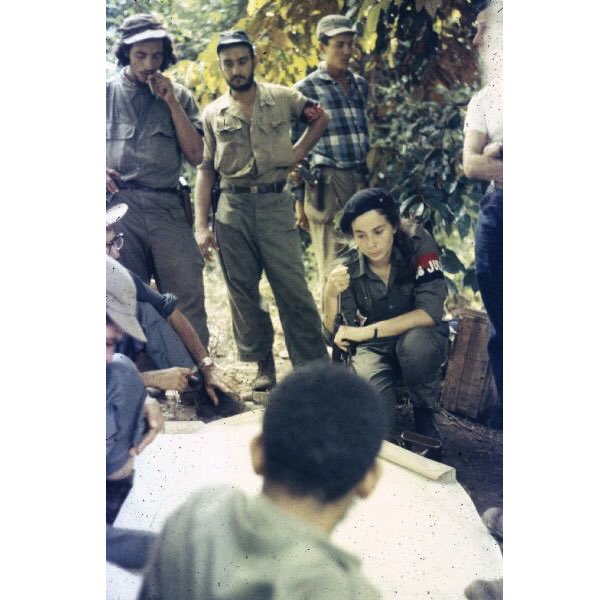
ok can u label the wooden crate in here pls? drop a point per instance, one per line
(469, 388)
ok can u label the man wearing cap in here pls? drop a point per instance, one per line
(482, 159)
(340, 154)
(151, 125)
(172, 344)
(128, 414)
(247, 142)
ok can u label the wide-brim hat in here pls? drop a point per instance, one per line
(139, 28)
(115, 213)
(121, 299)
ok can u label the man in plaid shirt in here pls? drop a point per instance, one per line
(341, 151)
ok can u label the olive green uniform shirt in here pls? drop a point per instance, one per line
(222, 544)
(257, 151)
(141, 142)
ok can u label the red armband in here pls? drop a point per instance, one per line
(428, 267)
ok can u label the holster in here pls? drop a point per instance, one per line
(184, 193)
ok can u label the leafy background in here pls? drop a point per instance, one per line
(421, 68)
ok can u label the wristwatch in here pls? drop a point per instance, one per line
(207, 361)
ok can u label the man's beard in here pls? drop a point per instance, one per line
(243, 87)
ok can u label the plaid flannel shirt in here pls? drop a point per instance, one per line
(345, 142)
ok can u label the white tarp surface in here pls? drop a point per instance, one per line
(418, 537)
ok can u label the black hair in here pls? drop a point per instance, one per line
(402, 239)
(121, 51)
(324, 39)
(322, 430)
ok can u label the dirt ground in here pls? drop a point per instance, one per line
(474, 450)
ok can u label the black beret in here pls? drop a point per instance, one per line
(362, 202)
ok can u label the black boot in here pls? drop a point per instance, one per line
(265, 378)
(425, 422)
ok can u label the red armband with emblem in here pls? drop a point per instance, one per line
(428, 267)
(311, 113)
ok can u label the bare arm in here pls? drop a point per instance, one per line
(190, 141)
(188, 335)
(476, 164)
(390, 327)
(337, 281)
(205, 178)
(310, 137)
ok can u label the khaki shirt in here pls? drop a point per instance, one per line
(144, 148)
(256, 151)
(224, 544)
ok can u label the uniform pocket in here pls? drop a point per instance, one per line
(117, 135)
(163, 145)
(233, 153)
(275, 140)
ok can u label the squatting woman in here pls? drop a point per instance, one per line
(392, 296)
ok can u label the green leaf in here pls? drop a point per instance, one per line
(450, 262)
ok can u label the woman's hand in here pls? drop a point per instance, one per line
(337, 282)
(346, 334)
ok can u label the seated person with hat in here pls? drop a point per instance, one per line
(172, 345)
(132, 419)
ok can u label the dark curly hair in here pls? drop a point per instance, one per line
(122, 50)
(322, 430)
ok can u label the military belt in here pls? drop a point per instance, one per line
(132, 185)
(262, 188)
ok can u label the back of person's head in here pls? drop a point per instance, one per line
(322, 431)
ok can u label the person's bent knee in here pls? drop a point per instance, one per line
(422, 349)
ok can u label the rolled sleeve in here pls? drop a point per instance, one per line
(430, 286)
(164, 304)
(475, 118)
(208, 161)
(191, 110)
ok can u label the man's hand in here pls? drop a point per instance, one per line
(294, 176)
(111, 186)
(175, 378)
(215, 378)
(155, 419)
(206, 241)
(337, 282)
(162, 87)
(301, 218)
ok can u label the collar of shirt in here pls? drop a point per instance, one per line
(263, 97)
(362, 268)
(266, 509)
(130, 87)
(323, 73)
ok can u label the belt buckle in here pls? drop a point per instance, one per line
(254, 189)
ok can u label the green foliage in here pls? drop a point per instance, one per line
(417, 155)
(417, 58)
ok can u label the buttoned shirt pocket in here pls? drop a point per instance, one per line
(163, 148)
(233, 155)
(117, 135)
(274, 147)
